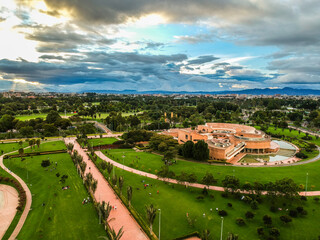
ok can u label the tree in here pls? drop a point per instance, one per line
(285, 218)
(38, 141)
(113, 235)
(274, 232)
(21, 151)
(53, 117)
(231, 182)
(205, 235)
(26, 131)
(267, 220)
(249, 215)
(208, 179)
(121, 180)
(129, 194)
(232, 236)
(151, 215)
(260, 231)
(201, 151)
(109, 168)
(187, 149)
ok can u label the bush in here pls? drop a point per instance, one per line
(200, 197)
(45, 163)
(293, 213)
(273, 208)
(285, 218)
(254, 204)
(240, 221)
(249, 215)
(224, 194)
(301, 155)
(260, 231)
(229, 205)
(222, 213)
(274, 232)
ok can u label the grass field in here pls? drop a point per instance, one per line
(152, 163)
(44, 115)
(9, 147)
(101, 141)
(292, 133)
(176, 201)
(56, 213)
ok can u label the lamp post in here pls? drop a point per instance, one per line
(123, 156)
(306, 184)
(159, 223)
(221, 228)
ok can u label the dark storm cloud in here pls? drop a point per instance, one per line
(203, 59)
(125, 57)
(51, 57)
(115, 11)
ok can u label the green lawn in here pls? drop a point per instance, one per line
(38, 115)
(9, 147)
(101, 141)
(47, 146)
(44, 115)
(152, 163)
(292, 133)
(63, 216)
(176, 201)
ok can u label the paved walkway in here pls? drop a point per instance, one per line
(120, 216)
(8, 203)
(196, 185)
(28, 202)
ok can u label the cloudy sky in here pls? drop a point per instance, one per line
(187, 45)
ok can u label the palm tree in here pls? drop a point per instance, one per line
(121, 180)
(129, 194)
(232, 236)
(205, 235)
(151, 215)
(21, 151)
(113, 235)
(38, 142)
(109, 168)
(94, 185)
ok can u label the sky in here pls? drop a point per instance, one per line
(169, 45)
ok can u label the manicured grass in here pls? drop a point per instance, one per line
(101, 141)
(63, 216)
(10, 147)
(152, 163)
(47, 146)
(292, 133)
(176, 201)
(44, 115)
(38, 115)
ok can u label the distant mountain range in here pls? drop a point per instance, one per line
(255, 91)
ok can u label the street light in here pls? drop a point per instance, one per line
(123, 156)
(159, 223)
(306, 184)
(221, 228)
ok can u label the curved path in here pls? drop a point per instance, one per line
(28, 201)
(196, 185)
(119, 216)
(9, 200)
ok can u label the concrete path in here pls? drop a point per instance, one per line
(28, 201)
(8, 203)
(196, 185)
(119, 216)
